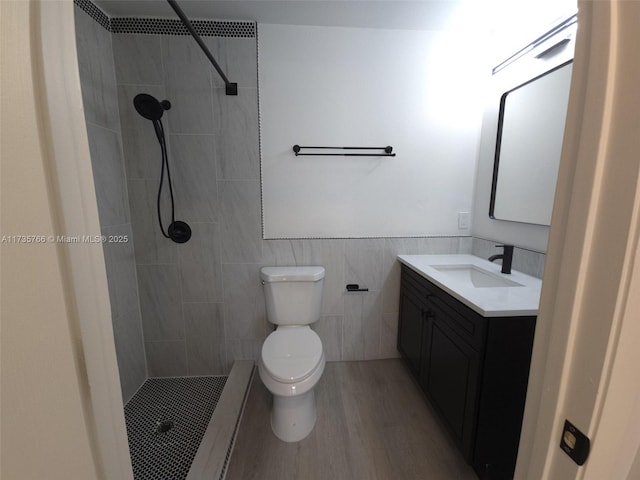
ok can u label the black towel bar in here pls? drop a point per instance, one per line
(388, 151)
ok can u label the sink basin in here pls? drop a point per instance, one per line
(475, 277)
(478, 283)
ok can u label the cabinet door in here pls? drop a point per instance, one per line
(410, 330)
(451, 381)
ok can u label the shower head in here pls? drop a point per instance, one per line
(149, 107)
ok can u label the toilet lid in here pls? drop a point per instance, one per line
(291, 354)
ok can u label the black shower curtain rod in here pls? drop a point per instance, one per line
(230, 88)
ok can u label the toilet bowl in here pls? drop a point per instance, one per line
(292, 359)
(290, 366)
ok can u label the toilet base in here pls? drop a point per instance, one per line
(293, 418)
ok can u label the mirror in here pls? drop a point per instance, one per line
(528, 146)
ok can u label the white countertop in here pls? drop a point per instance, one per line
(520, 300)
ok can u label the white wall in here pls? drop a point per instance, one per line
(418, 91)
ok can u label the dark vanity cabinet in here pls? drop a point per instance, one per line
(473, 370)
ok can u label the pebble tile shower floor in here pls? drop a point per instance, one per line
(166, 420)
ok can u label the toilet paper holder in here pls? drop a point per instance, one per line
(354, 287)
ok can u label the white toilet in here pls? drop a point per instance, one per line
(292, 359)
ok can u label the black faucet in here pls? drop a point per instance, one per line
(507, 257)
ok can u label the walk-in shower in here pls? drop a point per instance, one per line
(173, 319)
(152, 109)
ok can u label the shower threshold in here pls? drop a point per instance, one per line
(184, 428)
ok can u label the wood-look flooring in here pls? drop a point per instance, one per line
(372, 423)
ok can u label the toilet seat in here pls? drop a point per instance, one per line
(291, 354)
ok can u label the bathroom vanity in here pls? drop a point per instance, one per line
(466, 333)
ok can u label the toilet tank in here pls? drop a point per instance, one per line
(292, 295)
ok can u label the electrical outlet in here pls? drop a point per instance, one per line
(463, 220)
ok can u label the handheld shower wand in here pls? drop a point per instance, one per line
(151, 109)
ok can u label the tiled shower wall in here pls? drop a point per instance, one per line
(187, 291)
(97, 75)
(202, 303)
